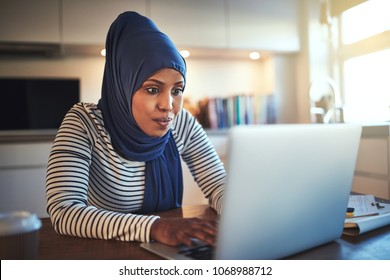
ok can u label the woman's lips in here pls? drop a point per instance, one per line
(163, 122)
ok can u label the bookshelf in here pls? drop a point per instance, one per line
(224, 112)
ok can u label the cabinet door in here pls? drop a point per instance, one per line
(373, 156)
(87, 22)
(264, 25)
(29, 21)
(22, 177)
(23, 189)
(199, 23)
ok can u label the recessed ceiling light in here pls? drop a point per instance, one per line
(185, 53)
(254, 55)
(103, 52)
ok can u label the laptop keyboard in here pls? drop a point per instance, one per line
(205, 252)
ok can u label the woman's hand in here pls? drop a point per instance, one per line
(174, 232)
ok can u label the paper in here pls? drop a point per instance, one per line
(365, 205)
(369, 214)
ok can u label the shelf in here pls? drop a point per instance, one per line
(23, 136)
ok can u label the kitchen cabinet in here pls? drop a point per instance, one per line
(23, 175)
(218, 24)
(35, 21)
(230, 24)
(200, 23)
(264, 25)
(87, 22)
(372, 174)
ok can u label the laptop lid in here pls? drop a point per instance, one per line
(287, 190)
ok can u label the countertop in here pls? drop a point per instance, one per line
(44, 135)
(376, 130)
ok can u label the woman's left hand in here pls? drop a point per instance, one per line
(174, 232)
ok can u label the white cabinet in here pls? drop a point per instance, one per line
(244, 24)
(264, 25)
(29, 21)
(372, 175)
(218, 24)
(22, 177)
(189, 23)
(373, 156)
(87, 22)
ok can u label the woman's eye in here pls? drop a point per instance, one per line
(177, 91)
(152, 90)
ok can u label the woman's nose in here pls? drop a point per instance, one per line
(165, 102)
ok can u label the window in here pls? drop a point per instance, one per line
(364, 61)
(367, 87)
(365, 20)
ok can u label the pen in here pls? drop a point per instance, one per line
(378, 206)
(350, 211)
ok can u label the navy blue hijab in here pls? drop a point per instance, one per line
(135, 50)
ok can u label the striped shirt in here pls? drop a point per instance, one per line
(93, 192)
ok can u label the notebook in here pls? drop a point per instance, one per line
(287, 190)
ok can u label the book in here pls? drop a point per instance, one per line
(243, 109)
(368, 215)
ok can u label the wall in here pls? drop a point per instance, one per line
(209, 77)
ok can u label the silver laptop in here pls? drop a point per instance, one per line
(287, 190)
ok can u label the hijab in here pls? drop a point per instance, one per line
(135, 50)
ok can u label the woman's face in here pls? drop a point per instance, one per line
(158, 101)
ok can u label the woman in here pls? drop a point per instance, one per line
(115, 163)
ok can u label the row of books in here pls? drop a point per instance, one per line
(219, 113)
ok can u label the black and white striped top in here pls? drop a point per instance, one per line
(93, 192)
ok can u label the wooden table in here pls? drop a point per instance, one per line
(372, 245)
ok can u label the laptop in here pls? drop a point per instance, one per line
(287, 190)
